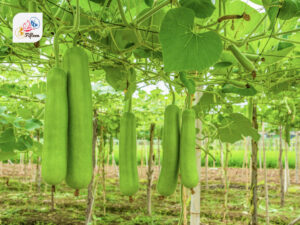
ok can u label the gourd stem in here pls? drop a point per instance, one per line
(128, 105)
(65, 29)
(189, 99)
(173, 94)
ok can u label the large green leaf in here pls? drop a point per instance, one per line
(236, 127)
(7, 140)
(201, 8)
(184, 50)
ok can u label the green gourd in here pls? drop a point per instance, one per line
(80, 132)
(129, 183)
(168, 177)
(54, 155)
(243, 60)
(188, 163)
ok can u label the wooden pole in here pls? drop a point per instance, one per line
(265, 174)
(91, 187)
(281, 168)
(150, 170)
(253, 200)
(297, 150)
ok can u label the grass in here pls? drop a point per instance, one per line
(236, 157)
(22, 205)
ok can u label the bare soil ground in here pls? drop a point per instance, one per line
(21, 202)
(235, 175)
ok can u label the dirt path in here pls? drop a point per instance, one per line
(236, 175)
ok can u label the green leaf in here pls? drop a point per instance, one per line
(184, 50)
(278, 54)
(4, 51)
(237, 126)
(279, 87)
(272, 11)
(206, 102)
(247, 91)
(201, 8)
(2, 109)
(7, 140)
(7, 155)
(149, 2)
(289, 9)
(33, 124)
(24, 142)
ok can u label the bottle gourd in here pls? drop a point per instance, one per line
(54, 163)
(80, 132)
(129, 183)
(188, 163)
(168, 177)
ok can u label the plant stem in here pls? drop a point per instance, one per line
(151, 12)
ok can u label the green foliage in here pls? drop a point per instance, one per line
(201, 8)
(289, 9)
(184, 50)
(234, 127)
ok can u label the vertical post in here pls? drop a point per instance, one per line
(38, 168)
(253, 188)
(226, 184)
(206, 169)
(158, 152)
(150, 170)
(286, 169)
(297, 157)
(222, 163)
(91, 197)
(260, 159)
(52, 197)
(102, 163)
(281, 168)
(265, 174)
(195, 198)
(184, 197)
